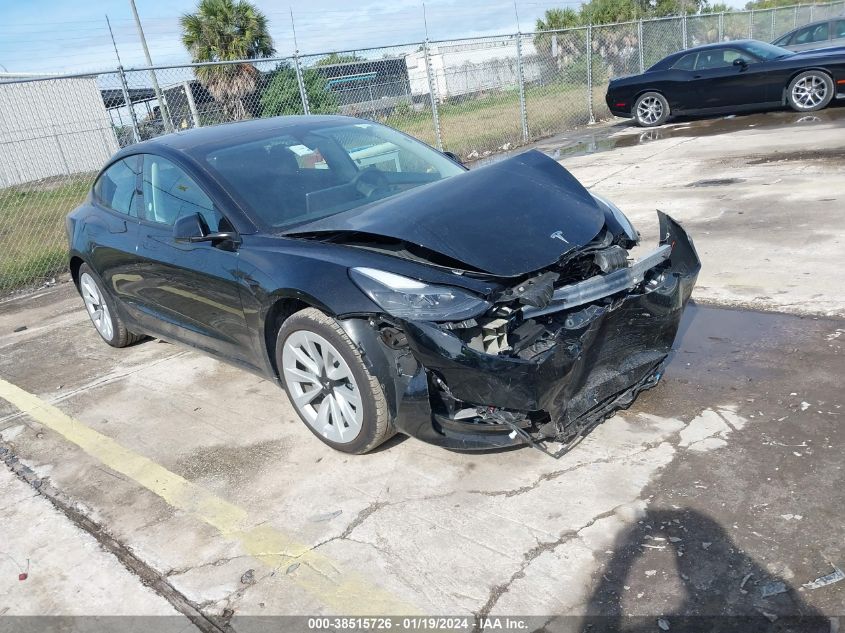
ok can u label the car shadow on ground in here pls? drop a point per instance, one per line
(683, 561)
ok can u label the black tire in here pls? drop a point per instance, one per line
(810, 91)
(376, 425)
(650, 110)
(115, 333)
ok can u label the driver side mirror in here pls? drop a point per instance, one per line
(192, 229)
(739, 62)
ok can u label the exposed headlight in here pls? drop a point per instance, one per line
(621, 219)
(414, 300)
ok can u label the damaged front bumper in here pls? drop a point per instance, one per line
(603, 341)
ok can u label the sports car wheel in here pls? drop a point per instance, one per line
(101, 309)
(330, 387)
(651, 109)
(809, 91)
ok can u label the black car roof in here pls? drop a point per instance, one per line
(186, 140)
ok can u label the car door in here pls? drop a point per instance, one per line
(680, 86)
(719, 83)
(187, 291)
(111, 229)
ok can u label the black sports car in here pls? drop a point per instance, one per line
(384, 285)
(729, 77)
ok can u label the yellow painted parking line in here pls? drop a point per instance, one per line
(344, 592)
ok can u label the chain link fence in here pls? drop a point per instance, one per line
(474, 97)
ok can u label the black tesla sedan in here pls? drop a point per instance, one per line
(729, 77)
(384, 285)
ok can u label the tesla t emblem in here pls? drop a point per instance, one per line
(558, 235)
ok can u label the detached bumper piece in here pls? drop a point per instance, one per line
(553, 371)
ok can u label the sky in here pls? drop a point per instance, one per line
(66, 36)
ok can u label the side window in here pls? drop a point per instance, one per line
(782, 40)
(814, 33)
(116, 187)
(839, 29)
(687, 62)
(717, 58)
(169, 194)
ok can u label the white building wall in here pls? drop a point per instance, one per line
(463, 68)
(53, 127)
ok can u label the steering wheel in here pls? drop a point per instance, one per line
(371, 183)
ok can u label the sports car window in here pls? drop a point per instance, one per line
(315, 171)
(687, 62)
(169, 194)
(717, 58)
(814, 33)
(839, 29)
(116, 187)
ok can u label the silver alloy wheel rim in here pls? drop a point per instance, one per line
(649, 110)
(808, 92)
(322, 386)
(96, 306)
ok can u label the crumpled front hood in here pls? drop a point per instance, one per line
(510, 218)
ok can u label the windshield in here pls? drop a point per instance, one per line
(766, 51)
(296, 176)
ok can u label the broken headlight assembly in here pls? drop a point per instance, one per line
(414, 300)
(619, 218)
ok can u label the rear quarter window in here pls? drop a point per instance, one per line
(687, 62)
(116, 188)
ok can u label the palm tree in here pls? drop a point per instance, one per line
(227, 30)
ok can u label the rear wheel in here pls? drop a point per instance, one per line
(328, 384)
(101, 309)
(651, 109)
(811, 90)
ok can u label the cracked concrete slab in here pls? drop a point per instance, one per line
(65, 571)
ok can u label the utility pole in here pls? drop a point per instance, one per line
(127, 99)
(165, 115)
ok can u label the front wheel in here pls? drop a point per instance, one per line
(810, 91)
(329, 385)
(651, 109)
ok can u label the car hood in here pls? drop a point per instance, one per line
(507, 219)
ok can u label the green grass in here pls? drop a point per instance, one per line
(33, 244)
(486, 123)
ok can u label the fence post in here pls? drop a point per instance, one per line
(751, 25)
(721, 27)
(590, 74)
(773, 24)
(812, 11)
(795, 17)
(435, 115)
(684, 29)
(640, 39)
(128, 102)
(523, 109)
(303, 95)
(192, 105)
